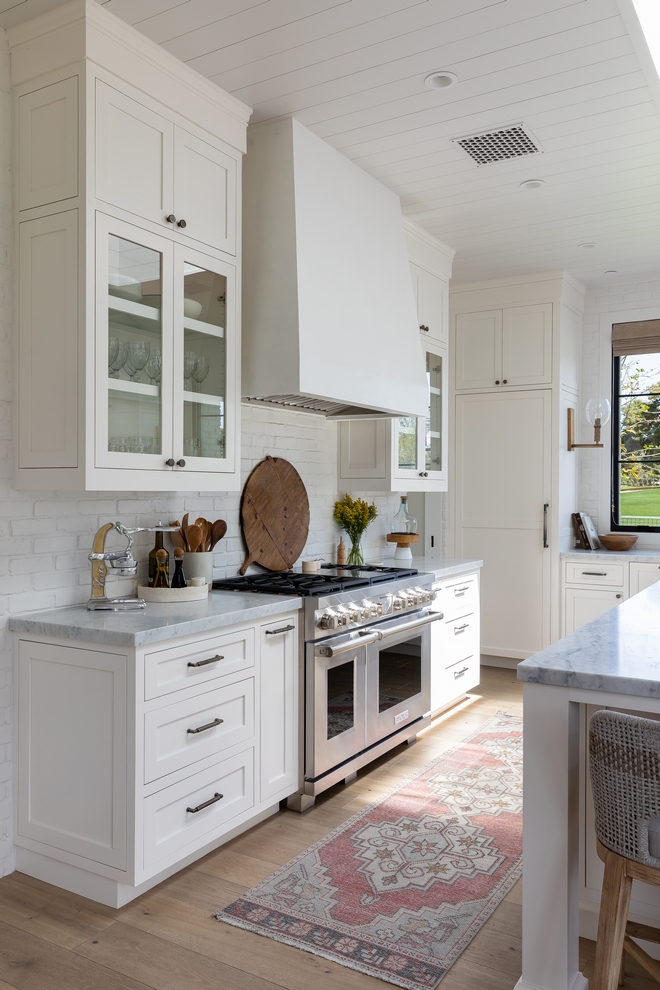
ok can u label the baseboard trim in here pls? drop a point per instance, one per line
(509, 663)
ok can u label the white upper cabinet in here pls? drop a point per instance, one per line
(431, 298)
(128, 207)
(507, 347)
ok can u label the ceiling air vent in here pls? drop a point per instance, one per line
(497, 146)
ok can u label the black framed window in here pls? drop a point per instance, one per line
(636, 442)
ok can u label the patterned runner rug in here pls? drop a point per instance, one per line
(401, 888)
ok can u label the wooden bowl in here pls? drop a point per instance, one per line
(618, 541)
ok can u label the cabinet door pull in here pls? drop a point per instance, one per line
(209, 725)
(461, 629)
(504, 382)
(459, 673)
(497, 382)
(595, 573)
(216, 797)
(170, 218)
(618, 596)
(425, 329)
(181, 462)
(545, 525)
(182, 224)
(203, 663)
(423, 474)
(170, 462)
(282, 629)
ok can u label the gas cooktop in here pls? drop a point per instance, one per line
(330, 580)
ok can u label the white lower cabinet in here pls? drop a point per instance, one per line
(595, 583)
(133, 762)
(455, 652)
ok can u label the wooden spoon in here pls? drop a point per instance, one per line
(195, 537)
(177, 540)
(205, 526)
(184, 532)
(218, 530)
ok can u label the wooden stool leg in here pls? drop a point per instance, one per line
(614, 903)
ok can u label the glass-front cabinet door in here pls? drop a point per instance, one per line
(134, 356)
(166, 354)
(204, 361)
(420, 444)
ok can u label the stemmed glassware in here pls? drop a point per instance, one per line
(201, 370)
(189, 365)
(154, 367)
(138, 355)
(117, 353)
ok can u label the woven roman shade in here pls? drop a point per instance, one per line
(642, 337)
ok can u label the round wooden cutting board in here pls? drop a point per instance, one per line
(274, 515)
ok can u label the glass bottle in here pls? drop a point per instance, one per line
(403, 522)
(161, 580)
(158, 545)
(178, 578)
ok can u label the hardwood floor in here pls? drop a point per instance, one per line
(168, 940)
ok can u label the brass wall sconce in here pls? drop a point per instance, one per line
(598, 414)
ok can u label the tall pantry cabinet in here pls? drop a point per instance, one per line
(410, 454)
(128, 200)
(514, 484)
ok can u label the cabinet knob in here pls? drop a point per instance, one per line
(425, 329)
(497, 382)
(170, 218)
(182, 224)
(423, 474)
(170, 462)
(618, 596)
(181, 462)
(504, 381)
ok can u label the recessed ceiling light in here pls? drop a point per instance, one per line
(587, 246)
(532, 183)
(441, 80)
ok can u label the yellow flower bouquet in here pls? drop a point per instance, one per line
(354, 515)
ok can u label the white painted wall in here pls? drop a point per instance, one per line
(604, 305)
(45, 537)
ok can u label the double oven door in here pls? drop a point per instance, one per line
(364, 686)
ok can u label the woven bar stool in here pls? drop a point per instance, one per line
(624, 766)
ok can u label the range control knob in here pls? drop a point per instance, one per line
(398, 603)
(328, 621)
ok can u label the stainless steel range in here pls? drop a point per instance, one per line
(365, 665)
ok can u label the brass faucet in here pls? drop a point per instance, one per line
(122, 561)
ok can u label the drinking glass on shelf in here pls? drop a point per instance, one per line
(138, 355)
(191, 447)
(154, 367)
(117, 352)
(201, 370)
(189, 365)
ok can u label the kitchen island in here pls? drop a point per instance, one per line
(612, 662)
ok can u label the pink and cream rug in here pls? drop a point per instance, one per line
(400, 889)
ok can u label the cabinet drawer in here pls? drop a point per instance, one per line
(178, 735)
(179, 667)
(461, 637)
(596, 573)
(174, 819)
(457, 595)
(462, 676)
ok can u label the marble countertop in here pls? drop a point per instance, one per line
(155, 623)
(445, 566)
(618, 652)
(641, 556)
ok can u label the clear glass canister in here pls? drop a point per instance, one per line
(403, 522)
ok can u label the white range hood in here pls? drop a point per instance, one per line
(329, 318)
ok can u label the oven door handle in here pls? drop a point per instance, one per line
(354, 644)
(415, 624)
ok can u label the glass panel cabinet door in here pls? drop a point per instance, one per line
(408, 433)
(205, 350)
(435, 427)
(133, 360)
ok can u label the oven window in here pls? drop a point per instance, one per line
(341, 698)
(399, 673)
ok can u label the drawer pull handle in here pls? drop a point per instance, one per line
(461, 591)
(209, 725)
(459, 673)
(203, 663)
(461, 629)
(216, 797)
(595, 573)
(282, 629)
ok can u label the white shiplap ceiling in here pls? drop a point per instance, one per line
(353, 71)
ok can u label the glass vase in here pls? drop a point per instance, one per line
(355, 555)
